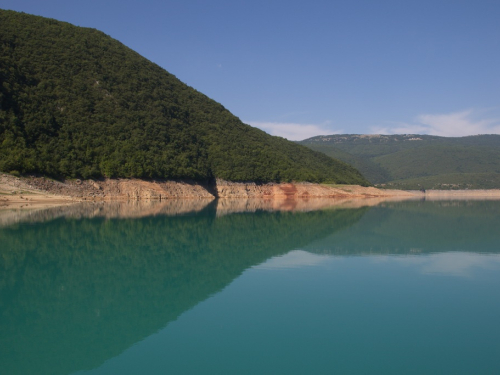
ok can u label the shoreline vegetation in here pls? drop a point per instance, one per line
(80, 106)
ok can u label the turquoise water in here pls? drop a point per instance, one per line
(398, 288)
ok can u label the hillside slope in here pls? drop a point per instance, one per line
(76, 103)
(412, 161)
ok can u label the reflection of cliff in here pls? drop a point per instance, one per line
(413, 227)
(76, 292)
(172, 207)
(123, 209)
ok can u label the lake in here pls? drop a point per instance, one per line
(197, 287)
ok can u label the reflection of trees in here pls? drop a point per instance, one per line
(172, 207)
(414, 227)
(76, 292)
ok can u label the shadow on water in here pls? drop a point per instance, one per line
(78, 290)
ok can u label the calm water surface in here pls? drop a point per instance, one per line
(397, 288)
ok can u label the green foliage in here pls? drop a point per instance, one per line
(418, 161)
(419, 226)
(77, 103)
(451, 181)
(369, 169)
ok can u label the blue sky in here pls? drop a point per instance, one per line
(299, 69)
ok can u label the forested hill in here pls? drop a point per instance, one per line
(411, 161)
(76, 103)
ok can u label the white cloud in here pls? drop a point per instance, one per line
(294, 259)
(457, 264)
(452, 264)
(456, 124)
(294, 131)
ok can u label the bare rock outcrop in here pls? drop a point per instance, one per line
(135, 189)
(249, 190)
(121, 188)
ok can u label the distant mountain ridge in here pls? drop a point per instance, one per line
(75, 103)
(414, 161)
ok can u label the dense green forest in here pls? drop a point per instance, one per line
(412, 161)
(75, 103)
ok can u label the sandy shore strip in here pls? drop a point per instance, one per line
(461, 194)
(28, 200)
(16, 193)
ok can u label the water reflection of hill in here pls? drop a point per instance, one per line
(114, 209)
(173, 207)
(413, 227)
(76, 292)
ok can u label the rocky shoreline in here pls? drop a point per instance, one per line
(37, 198)
(135, 189)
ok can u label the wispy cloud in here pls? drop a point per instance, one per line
(294, 259)
(453, 264)
(294, 131)
(454, 124)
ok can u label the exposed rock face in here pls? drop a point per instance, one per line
(134, 189)
(122, 189)
(226, 189)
